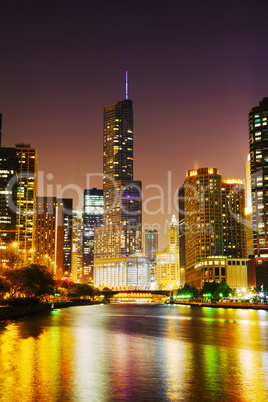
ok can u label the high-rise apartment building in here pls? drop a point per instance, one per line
(26, 200)
(121, 236)
(203, 219)
(92, 218)
(168, 261)
(49, 236)
(214, 216)
(182, 232)
(233, 218)
(258, 143)
(8, 203)
(77, 247)
(248, 213)
(67, 235)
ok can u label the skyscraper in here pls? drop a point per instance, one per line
(150, 250)
(203, 219)
(121, 236)
(214, 213)
(92, 218)
(77, 247)
(233, 218)
(258, 144)
(168, 260)
(181, 232)
(26, 200)
(150, 244)
(122, 195)
(8, 201)
(49, 236)
(67, 236)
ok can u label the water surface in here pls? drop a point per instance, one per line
(135, 353)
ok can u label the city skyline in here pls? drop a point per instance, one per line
(191, 80)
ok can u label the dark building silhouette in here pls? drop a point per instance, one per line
(0, 130)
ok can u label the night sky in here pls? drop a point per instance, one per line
(195, 69)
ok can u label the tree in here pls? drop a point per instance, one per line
(210, 288)
(30, 280)
(15, 280)
(224, 289)
(215, 289)
(37, 280)
(187, 290)
(80, 290)
(4, 285)
(84, 290)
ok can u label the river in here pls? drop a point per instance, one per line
(135, 353)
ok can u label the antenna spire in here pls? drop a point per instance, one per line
(126, 86)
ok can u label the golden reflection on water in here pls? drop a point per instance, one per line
(111, 353)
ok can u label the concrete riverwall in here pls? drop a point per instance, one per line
(7, 312)
(257, 306)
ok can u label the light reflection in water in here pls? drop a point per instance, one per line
(129, 353)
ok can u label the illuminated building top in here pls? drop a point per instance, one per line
(207, 170)
(233, 181)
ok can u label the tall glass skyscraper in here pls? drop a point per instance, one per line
(122, 195)
(92, 218)
(258, 144)
(121, 236)
(8, 202)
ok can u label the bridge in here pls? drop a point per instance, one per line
(134, 296)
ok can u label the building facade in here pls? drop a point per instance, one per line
(168, 261)
(26, 200)
(77, 247)
(150, 244)
(219, 268)
(212, 213)
(258, 144)
(121, 236)
(8, 203)
(203, 219)
(181, 231)
(92, 218)
(0, 130)
(67, 236)
(49, 236)
(233, 218)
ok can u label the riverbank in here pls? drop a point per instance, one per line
(80, 302)
(9, 312)
(254, 306)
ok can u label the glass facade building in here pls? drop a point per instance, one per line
(258, 144)
(8, 202)
(26, 199)
(92, 218)
(121, 235)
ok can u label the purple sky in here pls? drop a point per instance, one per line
(195, 69)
